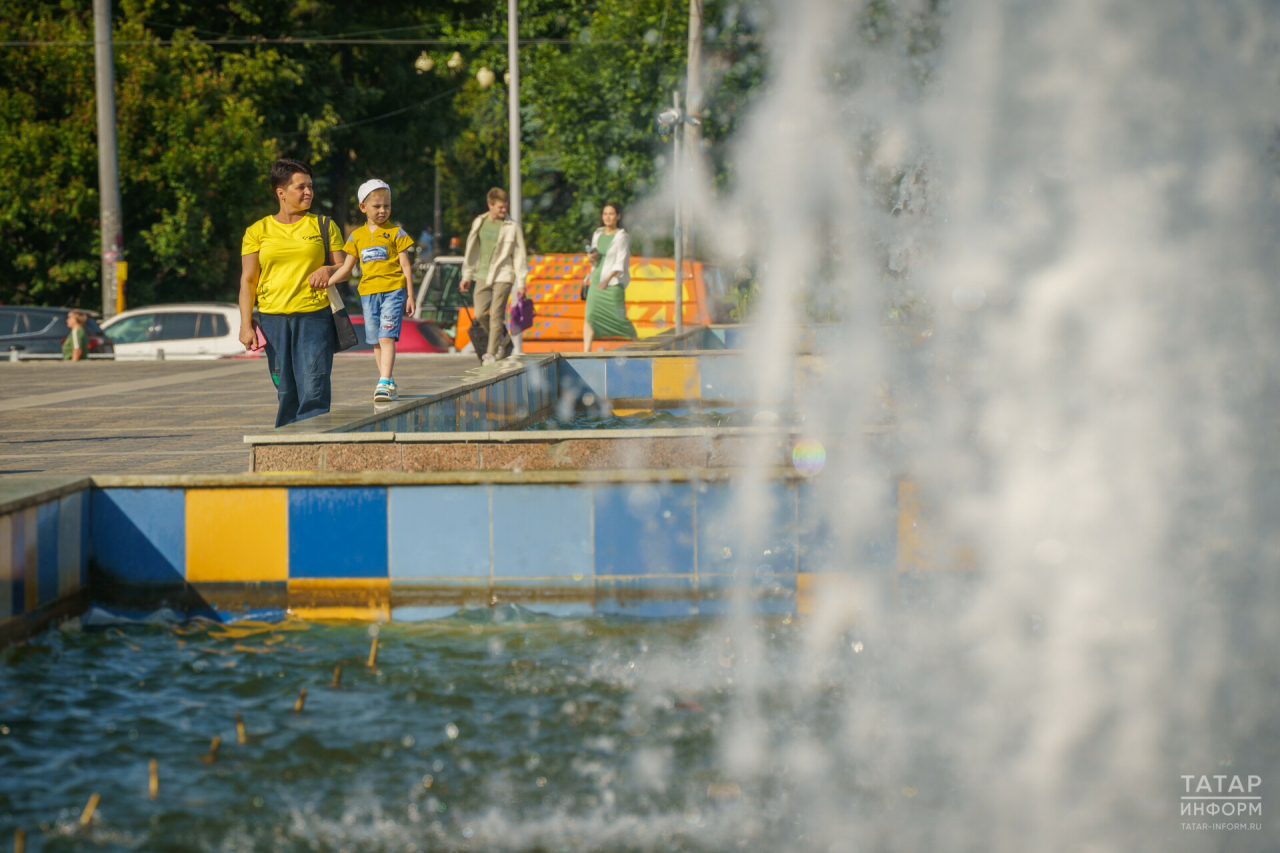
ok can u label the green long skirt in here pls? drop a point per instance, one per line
(607, 313)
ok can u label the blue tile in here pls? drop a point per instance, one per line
(588, 373)
(876, 534)
(760, 581)
(630, 378)
(18, 562)
(726, 546)
(644, 529)
(655, 597)
(140, 535)
(542, 531)
(439, 531)
(723, 606)
(337, 533)
(47, 520)
(422, 614)
(559, 609)
(724, 378)
(86, 534)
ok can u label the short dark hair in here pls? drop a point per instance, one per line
(283, 170)
(497, 194)
(617, 208)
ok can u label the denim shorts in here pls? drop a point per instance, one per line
(382, 315)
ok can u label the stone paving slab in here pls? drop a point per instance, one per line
(172, 417)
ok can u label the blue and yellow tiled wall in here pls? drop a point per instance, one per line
(391, 551)
(705, 376)
(494, 406)
(516, 397)
(44, 552)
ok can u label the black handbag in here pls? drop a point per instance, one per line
(344, 332)
(479, 336)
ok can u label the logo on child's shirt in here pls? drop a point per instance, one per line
(374, 253)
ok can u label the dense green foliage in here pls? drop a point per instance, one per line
(200, 123)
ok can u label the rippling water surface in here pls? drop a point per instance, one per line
(490, 729)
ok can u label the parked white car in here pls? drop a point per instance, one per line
(187, 330)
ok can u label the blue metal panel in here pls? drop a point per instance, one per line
(644, 529)
(140, 535)
(439, 531)
(729, 542)
(337, 533)
(629, 377)
(724, 378)
(47, 519)
(542, 532)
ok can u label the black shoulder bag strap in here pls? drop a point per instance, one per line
(344, 332)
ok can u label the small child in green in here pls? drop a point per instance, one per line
(75, 346)
(386, 280)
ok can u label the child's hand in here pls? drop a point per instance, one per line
(408, 308)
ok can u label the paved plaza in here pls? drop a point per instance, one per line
(170, 417)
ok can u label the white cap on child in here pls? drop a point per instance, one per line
(369, 186)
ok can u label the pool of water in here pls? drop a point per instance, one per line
(658, 419)
(489, 730)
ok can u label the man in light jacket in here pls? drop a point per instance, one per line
(495, 260)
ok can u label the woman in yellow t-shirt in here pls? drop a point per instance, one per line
(282, 269)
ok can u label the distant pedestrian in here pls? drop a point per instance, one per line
(495, 260)
(606, 314)
(75, 346)
(282, 269)
(386, 280)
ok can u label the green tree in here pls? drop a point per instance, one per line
(199, 123)
(190, 148)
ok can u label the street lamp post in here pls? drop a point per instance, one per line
(108, 163)
(513, 108)
(676, 119)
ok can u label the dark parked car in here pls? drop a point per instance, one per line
(41, 331)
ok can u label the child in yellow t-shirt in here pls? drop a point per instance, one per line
(386, 287)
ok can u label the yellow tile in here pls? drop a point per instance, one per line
(676, 379)
(237, 534)
(804, 593)
(913, 554)
(340, 599)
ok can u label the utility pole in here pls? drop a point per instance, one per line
(680, 132)
(112, 240)
(693, 106)
(438, 221)
(513, 106)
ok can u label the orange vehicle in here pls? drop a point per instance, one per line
(554, 283)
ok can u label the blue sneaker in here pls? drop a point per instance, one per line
(385, 392)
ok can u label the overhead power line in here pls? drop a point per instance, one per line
(231, 42)
(372, 119)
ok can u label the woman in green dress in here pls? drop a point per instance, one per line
(610, 271)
